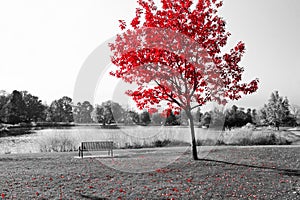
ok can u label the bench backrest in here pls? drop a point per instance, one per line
(97, 145)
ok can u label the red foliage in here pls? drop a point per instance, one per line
(189, 180)
(159, 170)
(174, 54)
(152, 110)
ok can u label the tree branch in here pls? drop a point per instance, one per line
(174, 100)
(199, 105)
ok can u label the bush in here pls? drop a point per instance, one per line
(209, 142)
(156, 143)
(161, 143)
(246, 137)
(135, 145)
(220, 142)
(269, 139)
(178, 143)
(58, 143)
(110, 126)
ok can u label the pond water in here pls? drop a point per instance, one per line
(32, 143)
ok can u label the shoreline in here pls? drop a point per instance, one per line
(7, 130)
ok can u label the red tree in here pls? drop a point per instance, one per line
(173, 54)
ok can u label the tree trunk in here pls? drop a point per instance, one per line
(277, 126)
(194, 145)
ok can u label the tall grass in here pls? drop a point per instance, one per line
(245, 137)
(57, 140)
(58, 143)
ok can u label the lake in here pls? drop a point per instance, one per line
(31, 143)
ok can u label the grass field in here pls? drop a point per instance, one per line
(224, 173)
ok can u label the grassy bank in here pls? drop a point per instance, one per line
(226, 173)
(65, 143)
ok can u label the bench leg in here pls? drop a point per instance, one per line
(80, 154)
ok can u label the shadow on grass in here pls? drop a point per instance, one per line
(288, 172)
(102, 156)
(92, 197)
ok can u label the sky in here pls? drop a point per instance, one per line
(45, 45)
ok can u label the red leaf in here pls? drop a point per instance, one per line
(189, 180)
(121, 190)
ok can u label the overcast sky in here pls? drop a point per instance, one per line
(44, 43)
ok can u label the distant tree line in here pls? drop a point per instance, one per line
(21, 106)
(277, 112)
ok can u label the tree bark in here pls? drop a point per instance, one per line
(194, 145)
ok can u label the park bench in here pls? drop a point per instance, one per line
(96, 146)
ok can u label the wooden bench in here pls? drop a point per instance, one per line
(96, 146)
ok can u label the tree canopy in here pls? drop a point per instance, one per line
(277, 111)
(109, 112)
(82, 112)
(174, 54)
(61, 110)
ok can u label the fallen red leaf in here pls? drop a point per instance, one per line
(121, 190)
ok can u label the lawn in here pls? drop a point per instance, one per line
(224, 173)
